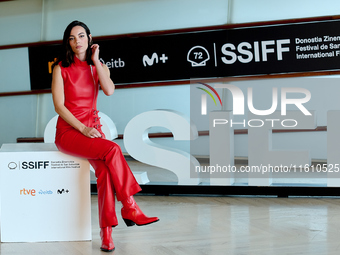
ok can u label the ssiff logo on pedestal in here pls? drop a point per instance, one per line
(28, 165)
(33, 192)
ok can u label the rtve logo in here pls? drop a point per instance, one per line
(26, 192)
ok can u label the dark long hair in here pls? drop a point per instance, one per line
(66, 55)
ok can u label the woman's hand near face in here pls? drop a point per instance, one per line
(103, 72)
(95, 53)
(91, 132)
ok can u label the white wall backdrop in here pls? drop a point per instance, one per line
(243, 11)
(25, 21)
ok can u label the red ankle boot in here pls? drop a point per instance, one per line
(132, 214)
(106, 236)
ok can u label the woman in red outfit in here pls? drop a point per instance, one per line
(75, 84)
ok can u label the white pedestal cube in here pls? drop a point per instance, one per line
(45, 194)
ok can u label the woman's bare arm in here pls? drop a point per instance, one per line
(103, 72)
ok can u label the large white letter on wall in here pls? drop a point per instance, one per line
(260, 150)
(333, 149)
(140, 147)
(221, 135)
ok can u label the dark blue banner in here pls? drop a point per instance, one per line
(276, 49)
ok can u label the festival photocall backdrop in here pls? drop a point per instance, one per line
(301, 47)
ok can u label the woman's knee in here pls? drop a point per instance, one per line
(113, 148)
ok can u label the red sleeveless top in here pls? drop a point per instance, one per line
(81, 86)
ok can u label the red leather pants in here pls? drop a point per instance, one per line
(112, 172)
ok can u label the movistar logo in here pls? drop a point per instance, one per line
(150, 61)
(154, 58)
